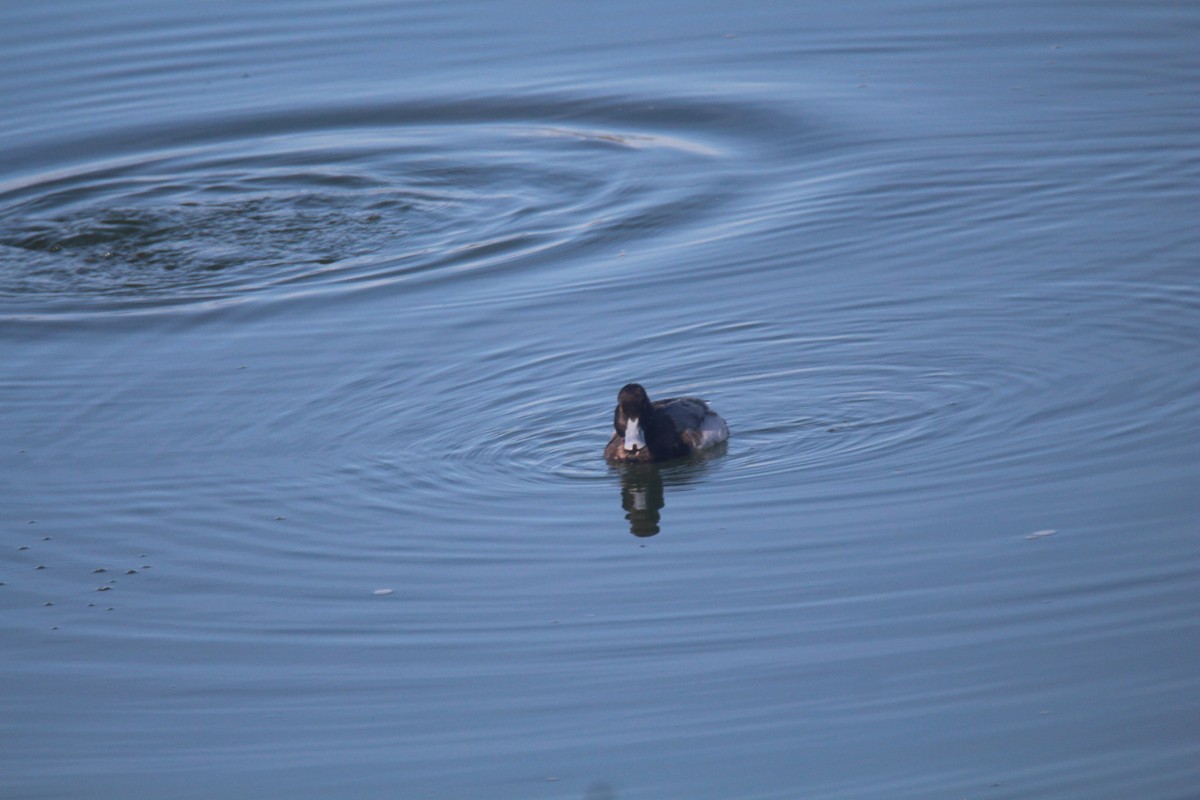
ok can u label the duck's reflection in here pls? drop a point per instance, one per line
(642, 492)
(642, 497)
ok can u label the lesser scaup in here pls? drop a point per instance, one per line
(661, 431)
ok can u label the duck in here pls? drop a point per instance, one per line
(645, 432)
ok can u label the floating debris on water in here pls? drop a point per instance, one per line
(1041, 534)
(381, 592)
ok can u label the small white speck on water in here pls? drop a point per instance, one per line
(1041, 534)
(381, 592)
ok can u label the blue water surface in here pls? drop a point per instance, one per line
(313, 315)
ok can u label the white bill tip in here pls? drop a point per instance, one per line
(634, 438)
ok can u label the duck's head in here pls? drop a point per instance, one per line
(632, 415)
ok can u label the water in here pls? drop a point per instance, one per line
(300, 303)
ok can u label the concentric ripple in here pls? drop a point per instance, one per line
(262, 209)
(826, 414)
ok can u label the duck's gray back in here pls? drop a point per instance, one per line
(686, 412)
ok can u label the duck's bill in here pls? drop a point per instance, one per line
(634, 438)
